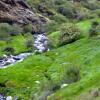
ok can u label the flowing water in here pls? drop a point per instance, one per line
(40, 45)
(41, 42)
(2, 97)
(11, 60)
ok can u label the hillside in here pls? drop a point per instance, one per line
(70, 70)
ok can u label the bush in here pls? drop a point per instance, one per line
(72, 74)
(27, 28)
(9, 50)
(69, 12)
(29, 45)
(59, 2)
(15, 30)
(92, 32)
(95, 24)
(83, 13)
(69, 33)
(4, 29)
(98, 29)
(59, 18)
(97, 11)
(46, 88)
(93, 5)
(52, 27)
(95, 29)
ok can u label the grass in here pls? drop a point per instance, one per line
(20, 78)
(88, 61)
(16, 42)
(84, 26)
(23, 75)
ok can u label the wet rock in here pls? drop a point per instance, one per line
(8, 60)
(2, 97)
(41, 42)
(9, 98)
(64, 85)
(38, 82)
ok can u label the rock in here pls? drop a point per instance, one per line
(38, 82)
(9, 98)
(2, 97)
(95, 92)
(64, 85)
(41, 42)
(10, 60)
(18, 11)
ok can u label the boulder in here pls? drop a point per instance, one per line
(18, 11)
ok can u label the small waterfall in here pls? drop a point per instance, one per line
(41, 43)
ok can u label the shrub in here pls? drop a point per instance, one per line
(92, 32)
(59, 18)
(4, 29)
(83, 13)
(98, 29)
(95, 29)
(92, 5)
(71, 74)
(69, 33)
(9, 50)
(59, 2)
(29, 45)
(95, 24)
(69, 12)
(97, 11)
(46, 88)
(27, 28)
(52, 27)
(10, 84)
(15, 30)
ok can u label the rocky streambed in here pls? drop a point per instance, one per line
(2, 97)
(40, 45)
(41, 42)
(10, 60)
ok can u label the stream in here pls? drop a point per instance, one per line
(40, 45)
(2, 97)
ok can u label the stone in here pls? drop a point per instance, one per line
(9, 98)
(41, 42)
(2, 97)
(19, 12)
(10, 60)
(38, 82)
(95, 92)
(64, 85)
